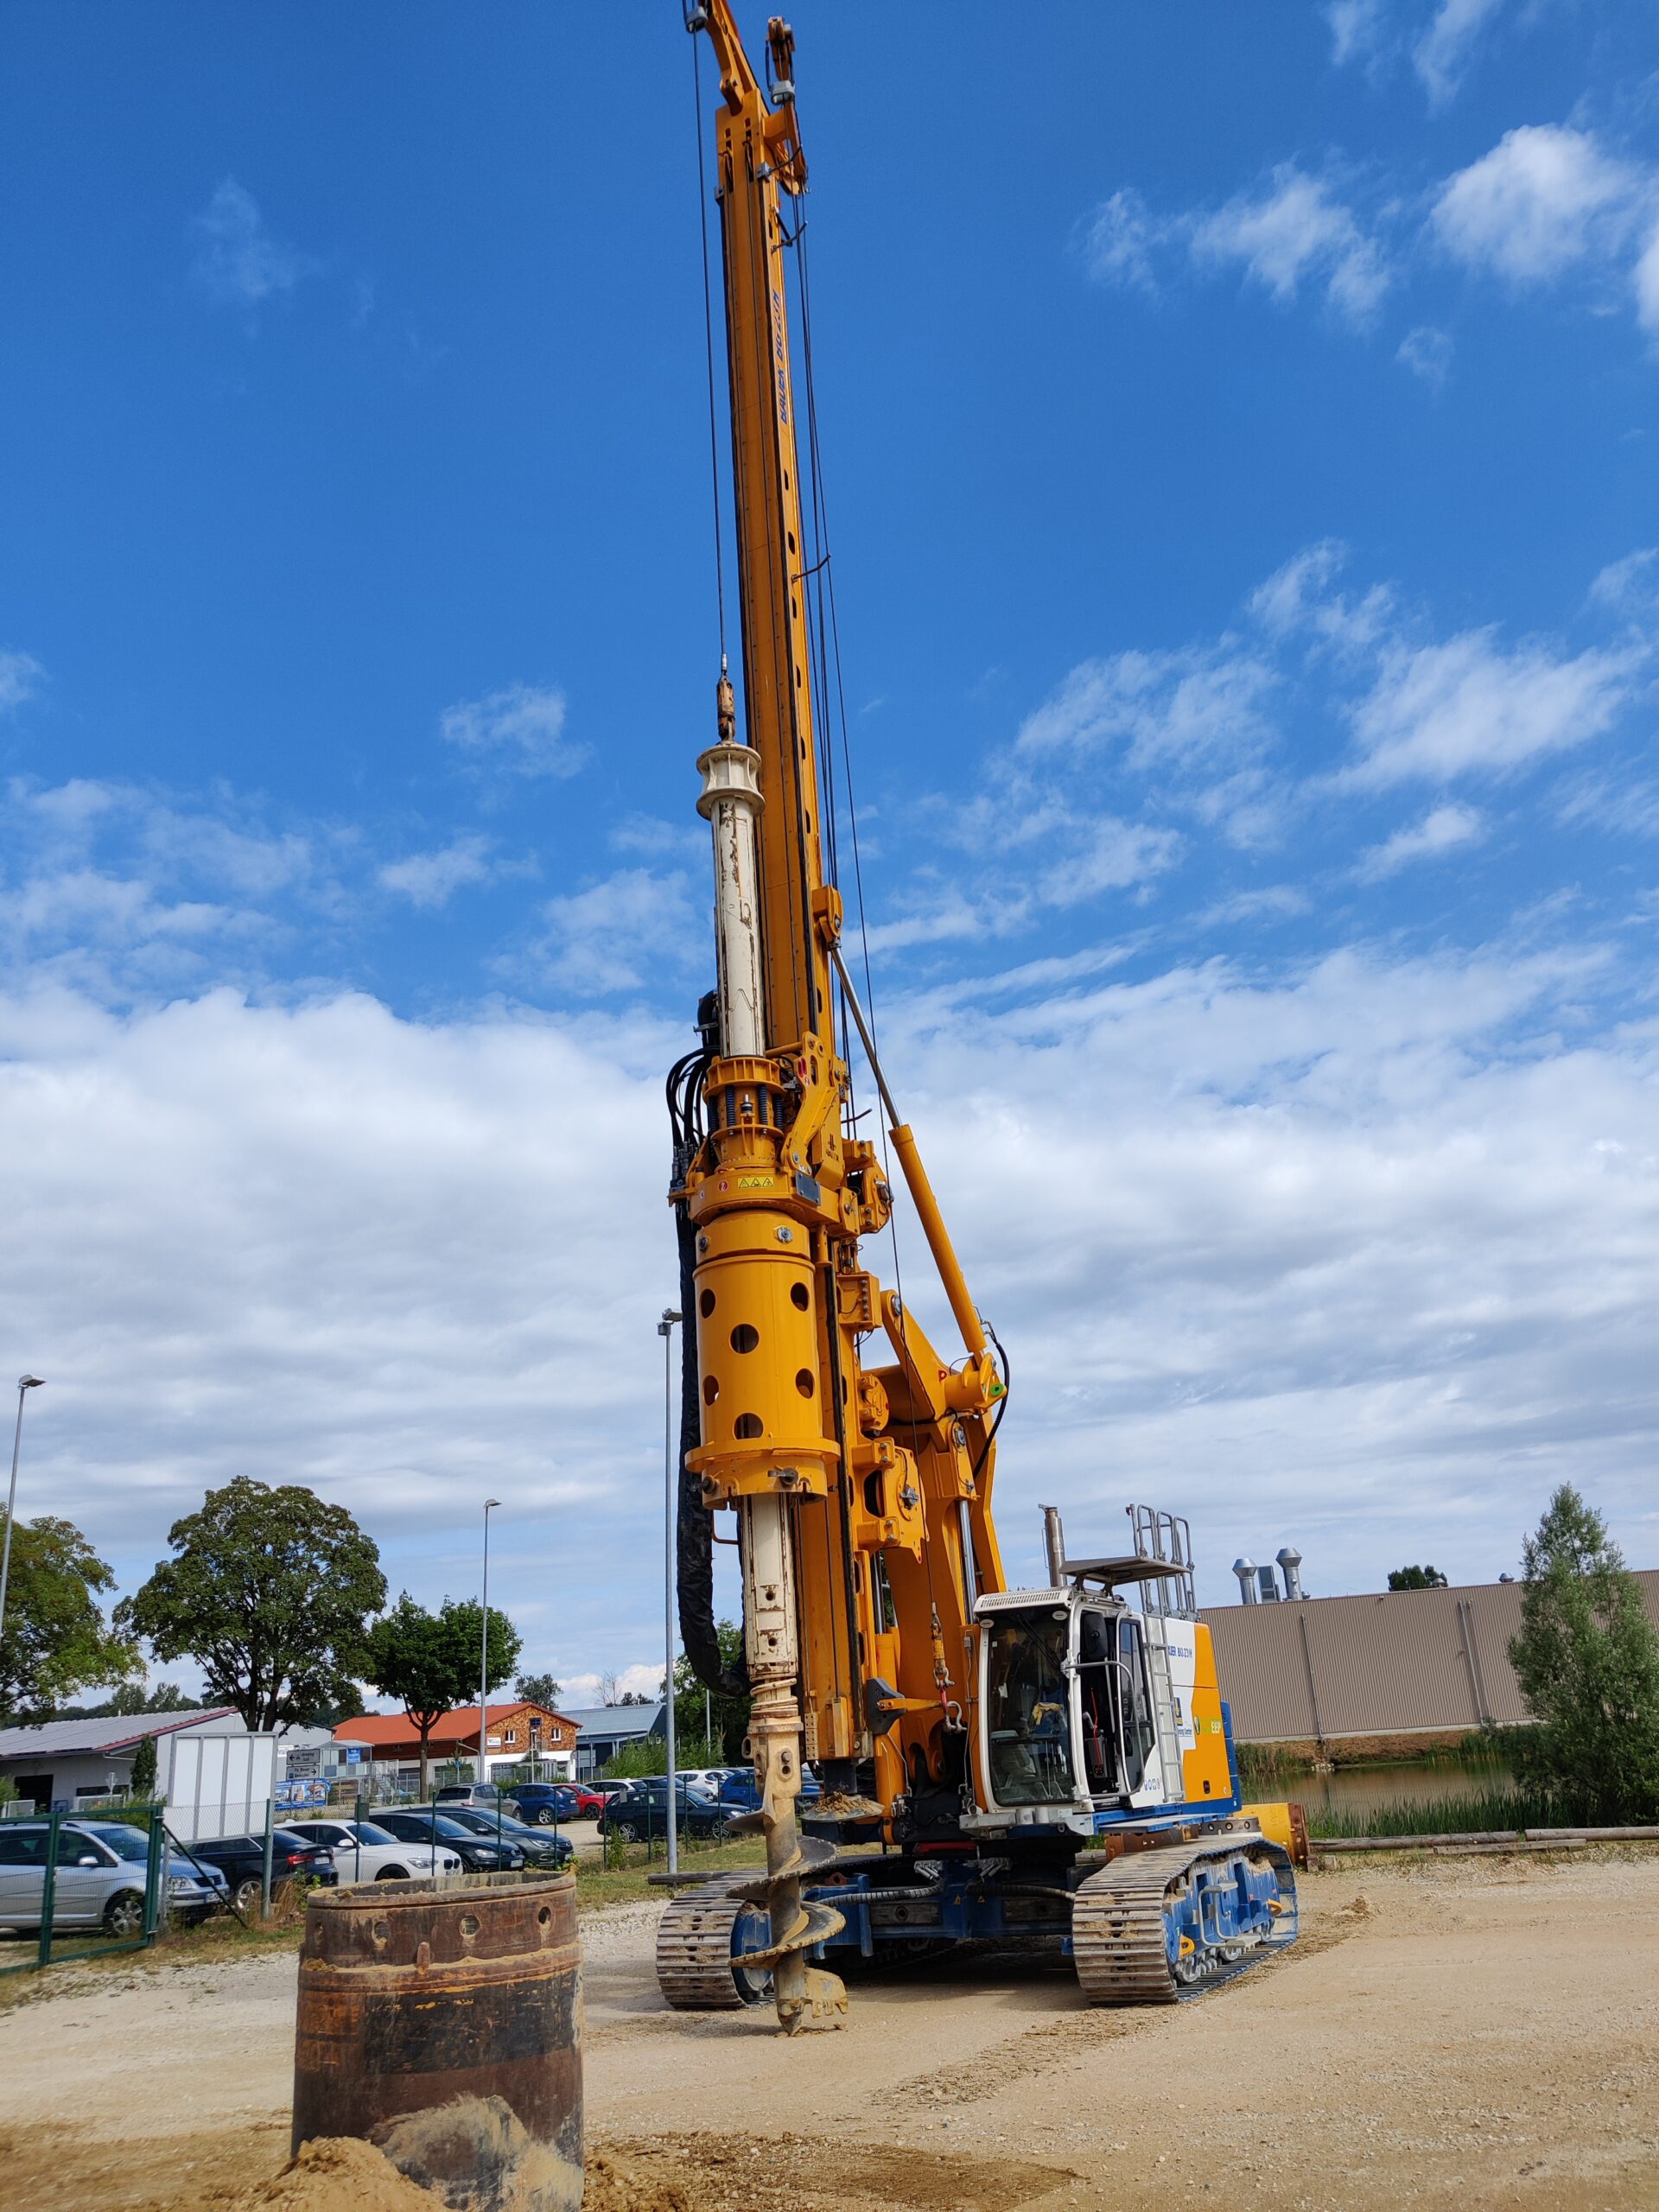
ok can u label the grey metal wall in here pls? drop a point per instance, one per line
(1400, 1662)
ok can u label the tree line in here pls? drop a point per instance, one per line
(276, 1596)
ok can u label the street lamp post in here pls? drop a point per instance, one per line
(666, 1330)
(25, 1383)
(484, 1645)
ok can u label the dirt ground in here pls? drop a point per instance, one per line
(1467, 2033)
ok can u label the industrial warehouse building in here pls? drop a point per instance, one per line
(1326, 1672)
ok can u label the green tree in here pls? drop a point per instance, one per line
(729, 1714)
(430, 1661)
(1588, 1662)
(1416, 1578)
(142, 1783)
(268, 1591)
(56, 1639)
(539, 1689)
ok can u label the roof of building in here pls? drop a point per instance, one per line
(114, 1733)
(619, 1719)
(1386, 1663)
(461, 1720)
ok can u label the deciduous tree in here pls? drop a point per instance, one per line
(56, 1640)
(268, 1591)
(1416, 1578)
(430, 1661)
(1588, 1662)
(539, 1689)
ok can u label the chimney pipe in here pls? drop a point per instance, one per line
(1054, 1544)
(1290, 1563)
(1245, 1570)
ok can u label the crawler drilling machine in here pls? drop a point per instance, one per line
(1044, 1768)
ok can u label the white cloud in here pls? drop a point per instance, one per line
(1630, 586)
(1442, 53)
(1645, 278)
(19, 675)
(1296, 233)
(1428, 354)
(1297, 597)
(1441, 830)
(1360, 1249)
(1544, 199)
(1192, 707)
(1291, 234)
(431, 880)
(1355, 29)
(1122, 237)
(1467, 706)
(616, 934)
(239, 263)
(520, 729)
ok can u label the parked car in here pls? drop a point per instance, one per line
(241, 1859)
(543, 1802)
(434, 1824)
(99, 1879)
(470, 1793)
(365, 1851)
(703, 1780)
(641, 1810)
(739, 1791)
(539, 1848)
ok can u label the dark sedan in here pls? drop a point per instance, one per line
(475, 1854)
(641, 1810)
(540, 1849)
(241, 1859)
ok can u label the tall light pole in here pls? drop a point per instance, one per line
(25, 1383)
(666, 1330)
(484, 1645)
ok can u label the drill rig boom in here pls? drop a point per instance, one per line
(880, 1641)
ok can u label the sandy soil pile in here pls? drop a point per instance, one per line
(334, 2174)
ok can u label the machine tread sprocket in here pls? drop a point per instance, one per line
(1119, 1933)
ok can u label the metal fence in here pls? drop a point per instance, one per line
(45, 1892)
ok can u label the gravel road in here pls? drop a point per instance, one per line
(1467, 2034)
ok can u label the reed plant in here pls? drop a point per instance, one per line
(1486, 1811)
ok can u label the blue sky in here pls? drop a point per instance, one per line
(1239, 432)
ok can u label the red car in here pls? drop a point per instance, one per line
(589, 1802)
(545, 1803)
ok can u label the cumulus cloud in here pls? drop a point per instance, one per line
(1441, 831)
(1351, 1248)
(520, 729)
(239, 261)
(1297, 232)
(431, 880)
(1542, 202)
(1293, 233)
(1468, 705)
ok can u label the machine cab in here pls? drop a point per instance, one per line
(1065, 1694)
(1088, 1707)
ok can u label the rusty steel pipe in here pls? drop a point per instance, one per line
(445, 2026)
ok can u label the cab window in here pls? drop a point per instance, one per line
(1028, 1711)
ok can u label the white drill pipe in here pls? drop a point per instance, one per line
(729, 803)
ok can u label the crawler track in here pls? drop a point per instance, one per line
(1121, 1922)
(695, 1939)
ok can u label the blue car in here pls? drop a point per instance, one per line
(541, 1803)
(740, 1792)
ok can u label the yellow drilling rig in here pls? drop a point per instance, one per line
(1048, 1768)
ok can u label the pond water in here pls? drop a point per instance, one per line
(1361, 1790)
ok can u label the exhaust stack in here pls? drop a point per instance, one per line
(1245, 1570)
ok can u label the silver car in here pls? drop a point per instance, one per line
(99, 1881)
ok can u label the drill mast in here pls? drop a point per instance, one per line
(862, 1489)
